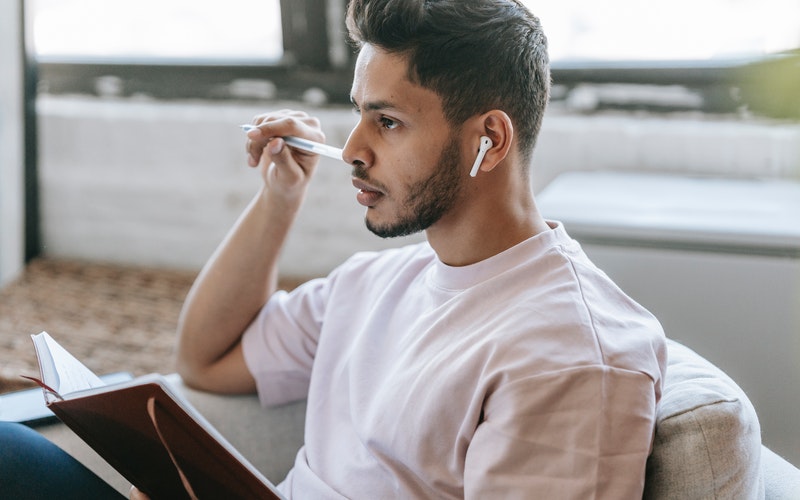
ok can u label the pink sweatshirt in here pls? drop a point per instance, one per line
(527, 375)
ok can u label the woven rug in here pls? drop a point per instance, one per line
(112, 318)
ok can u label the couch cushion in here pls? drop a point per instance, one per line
(708, 440)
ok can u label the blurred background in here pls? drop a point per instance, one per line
(122, 166)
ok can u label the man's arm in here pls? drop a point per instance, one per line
(583, 432)
(242, 274)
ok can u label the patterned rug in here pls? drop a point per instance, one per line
(112, 318)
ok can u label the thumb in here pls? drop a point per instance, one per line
(277, 151)
(281, 167)
(288, 161)
(135, 494)
(276, 155)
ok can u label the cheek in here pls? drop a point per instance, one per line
(423, 163)
(406, 172)
(404, 167)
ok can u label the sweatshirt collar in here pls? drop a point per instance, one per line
(458, 278)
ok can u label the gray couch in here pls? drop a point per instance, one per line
(707, 444)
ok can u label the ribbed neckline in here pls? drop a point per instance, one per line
(446, 277)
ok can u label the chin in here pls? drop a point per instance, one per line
(395, 229)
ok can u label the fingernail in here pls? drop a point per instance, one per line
(276, 146)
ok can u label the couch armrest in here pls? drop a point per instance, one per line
(781, 478)
(269, 438)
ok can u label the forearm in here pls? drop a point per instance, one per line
(230, 290)
(242, 273)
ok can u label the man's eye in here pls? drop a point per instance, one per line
(388, 123)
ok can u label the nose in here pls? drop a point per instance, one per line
(357, 150)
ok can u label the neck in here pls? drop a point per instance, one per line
(492, 216)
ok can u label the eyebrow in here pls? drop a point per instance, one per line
(373, 105)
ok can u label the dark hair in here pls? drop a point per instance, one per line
(477, 55)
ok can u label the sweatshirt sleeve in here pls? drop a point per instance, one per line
(280, 344)
(584, 432)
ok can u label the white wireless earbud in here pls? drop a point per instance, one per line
(486, 143)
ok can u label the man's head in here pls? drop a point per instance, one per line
(406, 157)
(476, 55)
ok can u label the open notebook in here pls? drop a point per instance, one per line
(146, 431)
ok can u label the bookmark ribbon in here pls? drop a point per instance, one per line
(44, 386)
(151, 411)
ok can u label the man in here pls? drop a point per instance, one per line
(492, 361)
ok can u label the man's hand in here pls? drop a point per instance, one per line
(286, 171)
(137, 495)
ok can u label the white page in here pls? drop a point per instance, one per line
(60, 369)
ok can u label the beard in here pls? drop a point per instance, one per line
(428, 199)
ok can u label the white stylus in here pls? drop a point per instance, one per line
(306, 145)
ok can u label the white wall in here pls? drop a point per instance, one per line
(12, 211)
(156, 183)
(159, 184)
(688, 143)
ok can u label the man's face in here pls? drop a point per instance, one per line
(405, 157)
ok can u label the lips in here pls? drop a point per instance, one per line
(367, 195)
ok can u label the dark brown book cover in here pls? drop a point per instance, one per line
(148, 433)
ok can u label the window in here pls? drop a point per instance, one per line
(679, 30)
(240, 49)
(256, 49)
(707, 55)
(157, 29)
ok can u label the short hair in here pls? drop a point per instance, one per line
(476, 55)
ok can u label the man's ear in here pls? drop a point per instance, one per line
(497, 126)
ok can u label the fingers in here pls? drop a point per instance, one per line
(278, 152)
(257, 146)
(280, 124)
(286, 169)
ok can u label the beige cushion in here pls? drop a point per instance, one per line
(708, 440)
